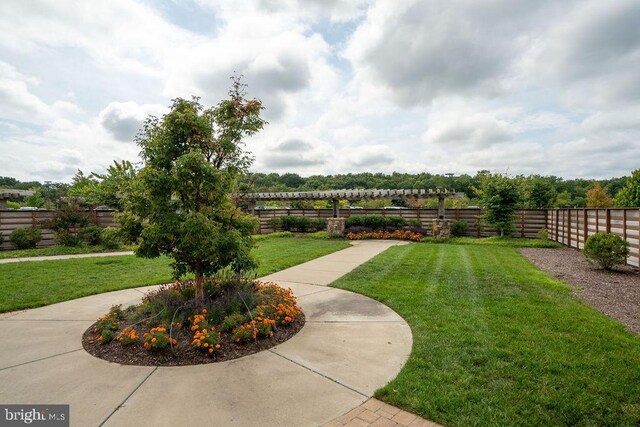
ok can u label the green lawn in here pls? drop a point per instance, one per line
(33, 284)
(499, 343)
(59, 250)
(511, 242)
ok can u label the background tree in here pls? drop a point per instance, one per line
(629, 195)
(499, 196)
(180, 198)
(597, 197)
(104, 189)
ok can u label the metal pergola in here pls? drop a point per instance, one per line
(336, 195)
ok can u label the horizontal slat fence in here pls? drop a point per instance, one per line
(572, 227)
(527, 222)
(12, 219)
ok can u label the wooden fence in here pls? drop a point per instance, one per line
(527, 222)
(572, 227)
(12, 219)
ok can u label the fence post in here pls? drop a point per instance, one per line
(522, 223)
(585, 225)
(624, 228)
(569, 227)
(608, 219)
(597, 220)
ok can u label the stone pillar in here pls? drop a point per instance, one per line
(335, 225)
(441, 228)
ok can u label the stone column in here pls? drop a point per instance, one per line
(441, 228)
(335, 225)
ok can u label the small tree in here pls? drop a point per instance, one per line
(499, 196)
(597, 197)
(629, 195)
(180, 198)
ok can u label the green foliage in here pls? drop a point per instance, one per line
(104, 189)
(180, 198)
(68, 223)
(231, 322)
(91, 235)
(36, 200)
(375, 222)
(299, 223)
(606, 250)
(110, 237)
(26, 238)
(67, 238)
(539, 192)
(459, 228)
(499, 196)
(543, 234)
(12, 205)
(629, 195)
(564, 200)
(275, 235)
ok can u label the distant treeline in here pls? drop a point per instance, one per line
(536, 191)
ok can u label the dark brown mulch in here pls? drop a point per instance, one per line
(616, 293)
(183, 353)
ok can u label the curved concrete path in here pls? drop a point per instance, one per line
(350, 346)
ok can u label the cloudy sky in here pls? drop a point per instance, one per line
(516, 86)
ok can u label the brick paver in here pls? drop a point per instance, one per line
(374, 413)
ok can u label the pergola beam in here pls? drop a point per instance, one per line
(349, 195)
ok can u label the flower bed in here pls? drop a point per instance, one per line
(238, 317)
(414, 234)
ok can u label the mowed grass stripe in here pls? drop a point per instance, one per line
(497, 342)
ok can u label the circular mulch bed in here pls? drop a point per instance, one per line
(183, 353)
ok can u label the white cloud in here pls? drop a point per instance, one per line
(366, 85)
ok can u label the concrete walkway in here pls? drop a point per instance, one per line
(350, 346)
(57, 257)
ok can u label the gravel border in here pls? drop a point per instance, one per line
(616, 293)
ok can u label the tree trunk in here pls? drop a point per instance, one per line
(199, 287)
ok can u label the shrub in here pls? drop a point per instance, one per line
(66, 238)
(543, 234)
(375, 222)
(318, 224)
(157, 339)
(110, 237)
(414, 223)
(300, 224)
(26, 238)
(459, 228)
(606, 250)
(91, 235)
